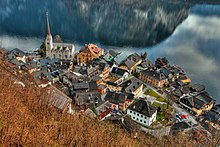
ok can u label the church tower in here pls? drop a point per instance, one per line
(49, 39)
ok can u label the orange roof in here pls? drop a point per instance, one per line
(186, 80)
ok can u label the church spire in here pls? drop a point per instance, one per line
(48, 25)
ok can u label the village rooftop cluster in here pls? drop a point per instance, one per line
(107, 85)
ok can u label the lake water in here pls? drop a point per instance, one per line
(194, 45)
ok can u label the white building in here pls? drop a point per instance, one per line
(142, 112)
(57, 50)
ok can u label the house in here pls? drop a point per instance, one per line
(145, 65)
(132, 62)
(58, 99)
(198, 104)
(83, 86)
(87, 98)
(13, 54)
(93, 71)
(113, 86)
(153, 77)
(110, 55)
(100, 66)
(119, 73)
(41, 79)
(100, 110)
(142, 112)
(102, 89)
(88, 53)
(133, 85)
(162, 62)
(119, 59)
(198, 88)
(119, 101)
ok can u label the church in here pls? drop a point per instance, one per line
(57, 49)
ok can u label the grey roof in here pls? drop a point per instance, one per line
(198, 87)
(204, 96)
(87, 98)
(154, 74)
(118, 71)
(16, 62)
(132, 60)
(80, 86)
(115, 98)
(166, 72)
(113, 53)
(143, 107)
(118, 59)
(131, 85)
(56, 98)
(185, 89)
(147, 63)
(15, 52)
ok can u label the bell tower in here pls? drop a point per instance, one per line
(49, 39)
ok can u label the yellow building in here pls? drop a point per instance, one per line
(152, 77)
(88, 53)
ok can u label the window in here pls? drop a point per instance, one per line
(134, 113)
(130, 111)
(133, 117)
(137, 119)
(137, 114)
(142, 116)
(140, 120)
(145, 122)
(145, 117)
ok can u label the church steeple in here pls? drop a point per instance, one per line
(47, 25)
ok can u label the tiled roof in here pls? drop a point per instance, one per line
(115, 98)
(131, 85)
(56, 98)
(143, 107)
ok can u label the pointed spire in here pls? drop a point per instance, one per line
(48, 25)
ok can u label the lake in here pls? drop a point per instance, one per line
(193, 44)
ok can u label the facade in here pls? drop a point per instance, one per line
(88, 53)
(142, 112)
(119, 101)
(152, 77)
(133, 85)
(198, 104)
(57, 50)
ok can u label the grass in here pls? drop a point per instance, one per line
(160, 116)
(162, 106)
(152, 93)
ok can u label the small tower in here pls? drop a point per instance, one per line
(49, 39)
